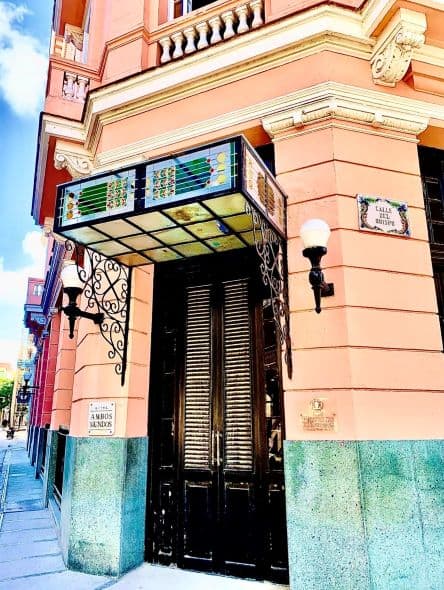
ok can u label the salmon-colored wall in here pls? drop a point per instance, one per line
(374, 353)
(49, 376)
(95, 377)
(35, 396)
(40, 393)
(64, 376)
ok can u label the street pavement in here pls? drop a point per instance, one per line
(30, 554)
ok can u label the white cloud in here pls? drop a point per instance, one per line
(9, 350)
(23, 63)
(13, 283)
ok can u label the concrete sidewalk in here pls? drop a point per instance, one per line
(30, 555)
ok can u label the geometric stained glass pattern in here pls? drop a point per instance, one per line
(195, 174)
(193, 204)
(90, 199)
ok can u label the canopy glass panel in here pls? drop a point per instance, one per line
(191, 204)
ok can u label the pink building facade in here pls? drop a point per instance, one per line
(213, 420)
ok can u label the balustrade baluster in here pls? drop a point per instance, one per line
(202, 29)
(177, 39)
(68, 85)
(82, 87)
(228, 18)
(190, 35)
(256, 7)
(242, 13)
(216, 25)
(165, 43)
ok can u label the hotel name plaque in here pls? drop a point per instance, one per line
(101, 418)
(383, 216)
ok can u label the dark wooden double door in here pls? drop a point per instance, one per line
(217, 498)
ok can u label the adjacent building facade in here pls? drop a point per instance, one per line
(210, 419)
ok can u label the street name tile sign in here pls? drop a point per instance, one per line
(383, 215)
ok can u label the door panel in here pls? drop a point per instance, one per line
(240, 528)
(216, 471)
(198, 522)
(197, 429)
(237, 418)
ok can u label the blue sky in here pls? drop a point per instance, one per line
(24, 41)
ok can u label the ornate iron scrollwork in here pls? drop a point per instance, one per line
(107, 288)
(273, 267)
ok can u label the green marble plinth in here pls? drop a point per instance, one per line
(365, 515)
(103, 504)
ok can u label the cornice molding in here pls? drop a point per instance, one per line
(339, 107)
(394, 49)
(375, 108)
(58, 127)
(381, 111)
(430, 54)
(77, 161)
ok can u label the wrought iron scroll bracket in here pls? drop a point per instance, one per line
(107, 288)
(271, 249)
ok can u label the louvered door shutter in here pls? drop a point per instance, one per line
(198, 378)
(238, 440)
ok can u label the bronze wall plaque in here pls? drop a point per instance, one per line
(317, 419)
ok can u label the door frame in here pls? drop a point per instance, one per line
(240, 264)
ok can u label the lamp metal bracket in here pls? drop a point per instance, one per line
(271, 249)
(107, 288)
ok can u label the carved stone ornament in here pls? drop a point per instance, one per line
(393, 53)
(390, 65)
(78, 165)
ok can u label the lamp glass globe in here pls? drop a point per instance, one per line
(70, 275)
(315, 233)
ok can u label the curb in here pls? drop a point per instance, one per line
(4, 476)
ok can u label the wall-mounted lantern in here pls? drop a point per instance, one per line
(73, 287)
(26, 390)
(314, 235)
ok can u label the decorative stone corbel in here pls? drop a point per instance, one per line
(77, 161)
(394, 49)
(48, 225)
(48, 230)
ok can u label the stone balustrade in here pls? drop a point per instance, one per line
(215, 29)
(57, 42)
(75, 87)
(70, 45)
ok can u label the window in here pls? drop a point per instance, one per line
(37, 290)
(431, 163)
(178, 8)
(86, 22)
(266, 154)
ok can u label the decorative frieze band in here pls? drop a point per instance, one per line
(280, 124)
(394, 50)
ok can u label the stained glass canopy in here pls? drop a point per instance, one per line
(193, 203)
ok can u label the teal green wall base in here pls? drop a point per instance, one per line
(103, 504)
(50, 463)
(365, 515)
